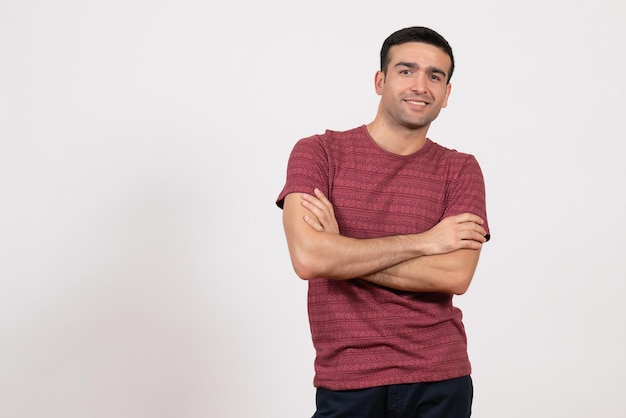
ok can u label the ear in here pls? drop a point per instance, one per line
(445, 100)
(379, 82)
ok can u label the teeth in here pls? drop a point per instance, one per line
(417, 103)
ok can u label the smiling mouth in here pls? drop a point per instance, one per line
(416, 102)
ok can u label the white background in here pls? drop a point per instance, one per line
(143, 268)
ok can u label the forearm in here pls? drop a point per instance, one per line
(318, 250)
(319, 253)
(448, 273)
(333, 256)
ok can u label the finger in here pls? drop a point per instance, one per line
(319, 212)
(324, 212)
(472, 226)
(312, 201)
(475, 236)
(328, 205)
(471, 245)
(478, 229)
(318, 193)
(469, 217)
(316, 225)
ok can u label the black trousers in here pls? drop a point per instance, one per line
(446, 399)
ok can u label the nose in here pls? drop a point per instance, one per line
(419, 83)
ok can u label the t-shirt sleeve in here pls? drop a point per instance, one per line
(466, 191)
(307, 169)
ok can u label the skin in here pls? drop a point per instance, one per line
(443, 259)
(412, 93)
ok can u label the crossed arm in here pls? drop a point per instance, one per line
(442, 259)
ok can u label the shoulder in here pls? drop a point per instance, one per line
(330, 136)
(451, 156)
(330, 140)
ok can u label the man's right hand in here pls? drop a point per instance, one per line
(457, 232)
(321, 207)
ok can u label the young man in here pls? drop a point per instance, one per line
(386, 226)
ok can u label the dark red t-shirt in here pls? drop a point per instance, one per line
(364, 334)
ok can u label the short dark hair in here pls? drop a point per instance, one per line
(415, 34)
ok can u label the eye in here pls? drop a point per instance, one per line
(435, 77)
(406, 72)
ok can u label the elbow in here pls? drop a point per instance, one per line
(304, 266)
(462, 275)
(459, 290)
(460, 283)
(303, 271)
(309, 265)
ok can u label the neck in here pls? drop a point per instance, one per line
(397, 139)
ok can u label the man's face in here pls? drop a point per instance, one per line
(415, 88)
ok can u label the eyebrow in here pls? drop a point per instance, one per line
(413, 66)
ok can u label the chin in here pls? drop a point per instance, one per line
(417, 124)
